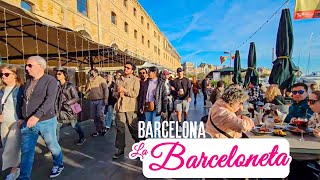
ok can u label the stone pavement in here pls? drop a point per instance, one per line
(93, 160)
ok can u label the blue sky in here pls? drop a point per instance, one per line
(201, 30)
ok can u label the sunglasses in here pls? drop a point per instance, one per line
(31, 65)
(126, 67)
(59, 74)
(142, 73)
(296, 92)
(312, 101)
(5, 74)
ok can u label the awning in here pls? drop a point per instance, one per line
(23, 35)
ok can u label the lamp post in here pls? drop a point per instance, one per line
(230, 53)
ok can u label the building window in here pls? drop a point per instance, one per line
(82, 7)
(158, 37)
(135, 34)
(142, 39)
(26, 5)
(126, 27)
(142, 19)
(159, 51)
(134, 12)
(155, 49)
(148, 43)
(154, 34)
(125, 3)
(113, 18)
(148, 26)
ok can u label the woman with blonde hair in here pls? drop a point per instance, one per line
(11, 118)
(222, 119)
(273, 95)
(195, 88)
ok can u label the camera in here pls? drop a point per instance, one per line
(91, 74)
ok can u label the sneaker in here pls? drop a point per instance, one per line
(103, 132)
(56, 171)
(13, 176)
(81, 141)
(48, 154)
(95, 134)
(118, 154)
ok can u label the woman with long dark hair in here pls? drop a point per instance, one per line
(67, 96)
(11, 118)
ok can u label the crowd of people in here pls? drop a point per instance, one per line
(226, 120)
(44, 103)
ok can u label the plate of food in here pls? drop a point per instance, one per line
(297, 131)
(261, 131)
(279, 132)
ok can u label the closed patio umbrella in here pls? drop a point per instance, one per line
(237, 69)
(283, 70)
(252, 73)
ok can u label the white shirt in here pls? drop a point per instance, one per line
(9, 109)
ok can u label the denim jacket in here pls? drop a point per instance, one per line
(17, 99)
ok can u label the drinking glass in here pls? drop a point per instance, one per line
(301, 139)
(302, 124)
(270, 123)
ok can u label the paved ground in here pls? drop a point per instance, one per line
(93, 160)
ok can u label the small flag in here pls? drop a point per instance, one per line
(307, 9)
(234, 56)
(223, 59)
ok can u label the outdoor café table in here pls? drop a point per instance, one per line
(307, 150)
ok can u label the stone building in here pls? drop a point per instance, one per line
(122, 24)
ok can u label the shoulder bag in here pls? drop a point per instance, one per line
(76, 108)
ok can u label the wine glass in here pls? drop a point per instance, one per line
(301, 139)
(302, 124)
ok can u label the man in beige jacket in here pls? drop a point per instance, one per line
(97, 92)
(126, 90)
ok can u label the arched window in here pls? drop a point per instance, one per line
(148, 43)
(142, 39)
(113, 18)
(135, 34)
(126, 26)
(82, 7)
(142, 20)
(134, 12)
(26, 5)
(125, 3)
(148, 26)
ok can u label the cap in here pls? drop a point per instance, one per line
(179, 70)
(60, 69)
(166, 72)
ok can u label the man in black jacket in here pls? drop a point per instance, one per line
(40, 118)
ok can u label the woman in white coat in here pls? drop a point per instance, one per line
(11, 119)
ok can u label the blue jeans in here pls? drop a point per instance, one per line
(29, 136)
(75, 125)
(152, 117)
(97, 109)
(109, 116)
